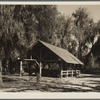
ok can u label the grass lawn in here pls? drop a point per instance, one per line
(86, 83)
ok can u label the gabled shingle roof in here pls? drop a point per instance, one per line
(62, 53)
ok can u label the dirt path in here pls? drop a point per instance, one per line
(86, 83)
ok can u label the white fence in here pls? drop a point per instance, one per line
(68, 73)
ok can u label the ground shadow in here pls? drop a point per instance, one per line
(90, 76)
(6, 79)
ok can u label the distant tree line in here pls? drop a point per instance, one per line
(22, 25)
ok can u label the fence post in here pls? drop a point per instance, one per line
(72, 73)
(67, 73)
(61, 74)
(40, 72)
(21, 68)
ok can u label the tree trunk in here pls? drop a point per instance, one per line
(1, 82)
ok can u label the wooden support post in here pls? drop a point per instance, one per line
(40, 65)
(30, 56)
(21, 68)
(72, 73)
(40, 71)
(61, 74)
(79, 72)
(75, 73)
(67, 73)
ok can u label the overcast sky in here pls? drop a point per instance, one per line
(94, 11)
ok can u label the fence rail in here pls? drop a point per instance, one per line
(67, 73)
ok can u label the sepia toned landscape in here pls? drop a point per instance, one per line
(49, 48)
(86, 83)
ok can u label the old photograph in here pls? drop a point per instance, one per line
(49, 48)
